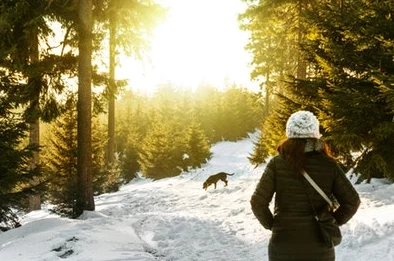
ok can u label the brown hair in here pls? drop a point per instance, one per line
(293, 151)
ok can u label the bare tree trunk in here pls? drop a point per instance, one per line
(301, 64)
(111, 88)
(34, 140)
(85, 200)
(34, 135)
(267, 93)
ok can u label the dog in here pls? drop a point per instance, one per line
(213, 179)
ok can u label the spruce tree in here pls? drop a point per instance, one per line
(61, 156)
(133, 122)
(350, 51)
(206, 109)
(130, 23)
(161, 154)
(227, 122)
(272, 129)
(277, 30)
(61, 161)
(16, 176)
(197, 149)
(36, 72)
(106, 178)
(130, 154)
(170, 113)
(248, 110)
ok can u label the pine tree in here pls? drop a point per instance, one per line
(238, 113)
(16, 176)
(350, 51)
(61, 161)
(106, 178)
(277, 28)
(197, 147)
(206, 109)
(248, 110)
(162, 147)
(164, 120)
(130, 155)
(61, 155)
(36, 72)
(161, 154)
(130, 24)
(133, 122)
(272, 129)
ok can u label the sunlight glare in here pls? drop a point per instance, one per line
(199, 42)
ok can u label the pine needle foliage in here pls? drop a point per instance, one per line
(161, 152)
(132, 126)
(62, 161)
(15, 172)
(172, 130)
(61, 155)
(273, 127)
(351, 53)
(197, 147)
(348, 48)
(106, 178)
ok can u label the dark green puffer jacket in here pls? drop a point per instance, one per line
(295, 235)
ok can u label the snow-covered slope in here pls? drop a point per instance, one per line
(175, 219)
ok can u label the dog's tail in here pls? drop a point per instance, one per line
(230, 174)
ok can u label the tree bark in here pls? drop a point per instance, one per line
(301, 64)
(34, 201)
(267, 93)
(85, 200)
(111, 89)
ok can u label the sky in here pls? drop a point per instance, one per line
(174, 219)
(199, 42)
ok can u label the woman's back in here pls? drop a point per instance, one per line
(295, 234)
(291, 198)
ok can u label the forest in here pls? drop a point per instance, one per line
(70, 131)
(334, 58)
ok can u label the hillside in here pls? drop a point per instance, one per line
(175, 219)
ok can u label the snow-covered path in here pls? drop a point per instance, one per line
(175, 219)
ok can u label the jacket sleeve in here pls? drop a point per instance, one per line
(262, 196)
(347, 197)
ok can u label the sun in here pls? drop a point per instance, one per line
(199, 42)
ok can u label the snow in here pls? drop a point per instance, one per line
(175, 219)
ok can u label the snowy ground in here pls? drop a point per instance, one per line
(175, 219)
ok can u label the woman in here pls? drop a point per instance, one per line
(295, 235)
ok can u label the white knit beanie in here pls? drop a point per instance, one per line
(302, 124)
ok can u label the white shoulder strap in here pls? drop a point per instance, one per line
(318, 189)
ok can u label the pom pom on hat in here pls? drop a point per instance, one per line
(302, 124)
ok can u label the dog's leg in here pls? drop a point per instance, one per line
(224, 180)
(215, 184)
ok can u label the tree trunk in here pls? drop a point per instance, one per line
(267, 86)
(111, 89)
(34, 201)
(85, 200)
(34, 140)
(267, 93)
(301, 64)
